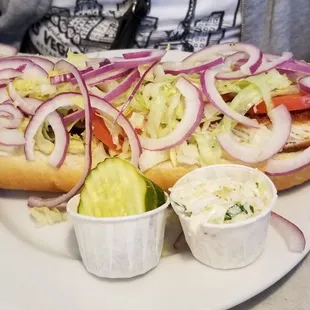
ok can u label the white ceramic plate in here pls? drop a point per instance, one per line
(40, 267)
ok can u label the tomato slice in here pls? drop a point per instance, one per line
(228, 97)
(101, 132)
(138, 131)
(293, 102)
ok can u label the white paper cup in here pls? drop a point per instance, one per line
(232, 245)
(119, 247)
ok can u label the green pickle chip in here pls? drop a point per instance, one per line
(117, 188)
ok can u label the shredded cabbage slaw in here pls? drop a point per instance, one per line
(222, 200)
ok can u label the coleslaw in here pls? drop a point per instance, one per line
(221, 200)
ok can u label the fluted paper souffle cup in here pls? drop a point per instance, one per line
(227, 245)
(119, 247)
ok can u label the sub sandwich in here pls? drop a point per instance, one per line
(228, 103)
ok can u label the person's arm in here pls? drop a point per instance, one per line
(278, 26)
(17, 16)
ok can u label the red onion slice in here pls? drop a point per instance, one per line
(136, 88)
(254, 61)
(32, 70)
(62, 78)
(103, 74)
(11, 137)
(178, 68)
(108, 109)
(66, 77)
(270, 57)
(42, 62)
(304, 84)
(29, 105)
(230, 144)
(18, 100)
(44, 110)
(72, 117)
(5, 114)
(8, 50)
(58, 155)
(96, 63)
(123, 86)
(214, 97)
(292, 234)
(155, 56)
(26, 105)
(194, 106)
(117, 74)
(4, 96)
(139, 54)
(97, 73)
(7, 74)
(94, 90)
(281, 128)
(234, 58)
(14, 116)
(265, 67)
(294, 66)
(275, 63)
(4, 82)
(286, 56)
(288, 165)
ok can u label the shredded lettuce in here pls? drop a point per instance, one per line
(78, 101)
(157, 105)
(136, 120)
(23, 125)
(259, 89)
(36, 88)
(76, 145)
(42, 143)
(149, 159)
(108, 86)
(210, 152)
(41, 88)
(187, 154)
(292, 89)
(242, 102)
(47, 216)
(163, 105)
(77, 59)
(230, 86)
(261, 83)
(125, 151)
(268, 82)
(150, 75)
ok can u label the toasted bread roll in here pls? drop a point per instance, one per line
(19, 174)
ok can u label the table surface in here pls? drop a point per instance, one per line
(291, 292)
